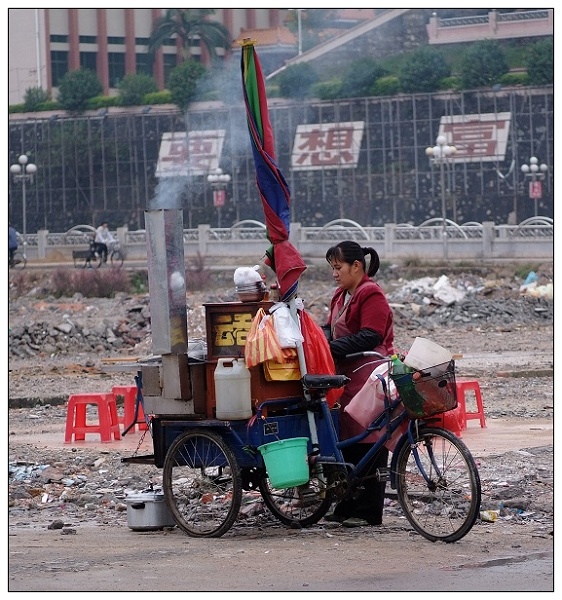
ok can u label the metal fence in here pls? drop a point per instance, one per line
(531, 239)
(102, 167)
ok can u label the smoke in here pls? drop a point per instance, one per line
(223, 83)
(170, 191)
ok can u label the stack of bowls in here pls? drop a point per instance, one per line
(251, 292)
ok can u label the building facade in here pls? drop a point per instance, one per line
(44, 44)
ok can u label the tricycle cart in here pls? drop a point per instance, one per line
(209, 464)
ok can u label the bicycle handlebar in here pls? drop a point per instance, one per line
(367, 353)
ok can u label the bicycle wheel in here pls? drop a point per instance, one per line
(19, 261)
(202, 483)
(303, 505)
(95, 261)
(441, 499)
(116, 259)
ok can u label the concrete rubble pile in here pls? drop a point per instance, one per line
(91, 486)
(122, 325)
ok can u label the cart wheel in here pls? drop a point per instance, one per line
(303, 505)
(202, 483)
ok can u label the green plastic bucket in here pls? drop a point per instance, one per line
(286, 462)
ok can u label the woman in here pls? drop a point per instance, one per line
(360, 319)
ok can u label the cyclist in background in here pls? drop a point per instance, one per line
(103, 239)
(12, 243)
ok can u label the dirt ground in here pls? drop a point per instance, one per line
(95, 550)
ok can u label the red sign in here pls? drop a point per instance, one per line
(219, 197)
(327, 146)
(535, 190)
(477, 137)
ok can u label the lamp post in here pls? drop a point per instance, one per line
(535, 172)
(218, 181)
(24, 172)
(441, 154)
(299, 27)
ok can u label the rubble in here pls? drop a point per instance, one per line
(56, 347)
(58, 327)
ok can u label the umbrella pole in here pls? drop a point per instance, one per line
(302, 367)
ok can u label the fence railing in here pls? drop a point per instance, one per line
(533, 239)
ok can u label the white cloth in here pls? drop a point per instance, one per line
(103, 235)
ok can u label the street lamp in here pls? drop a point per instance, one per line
(299, 26)
(23, 172)
(219, 181)
(442, 153)
(535, 187)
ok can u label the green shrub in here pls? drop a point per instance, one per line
(273, 91)
(450, 83)
(76, 88)
(183, 82)
(423, 70)
(389, 85)
(360, 76)
(327, 90)
(139, 282)
(102, 102)
(16, 108)
(482, 64)
(133, 88)
(540, 63)
(34, 97)
(515, 79)
(296, 81)
(50, 105)
(163, 97)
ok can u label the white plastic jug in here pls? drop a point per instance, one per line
(425, 353)
(232, 389)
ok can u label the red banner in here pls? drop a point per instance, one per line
(219, 197)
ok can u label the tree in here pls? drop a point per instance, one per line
(189, 24)
(359, 78)
(183, 82)
(76, 88)
(540, 63)
(133, 88)
(296, 81)
(482, 64)
(422, 70)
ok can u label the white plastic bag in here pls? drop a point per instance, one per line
(288, 331)
(246, 275)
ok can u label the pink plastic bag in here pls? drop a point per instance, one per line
(368, 404)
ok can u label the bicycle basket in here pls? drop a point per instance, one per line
(434, 391)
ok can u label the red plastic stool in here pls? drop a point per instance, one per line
(129, 393)
(453, 420)
(471, 385)
(108, 423)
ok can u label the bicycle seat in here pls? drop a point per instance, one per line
(324, 382)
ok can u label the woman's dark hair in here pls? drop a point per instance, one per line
(349, 251)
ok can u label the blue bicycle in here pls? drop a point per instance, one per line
(208, 463)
